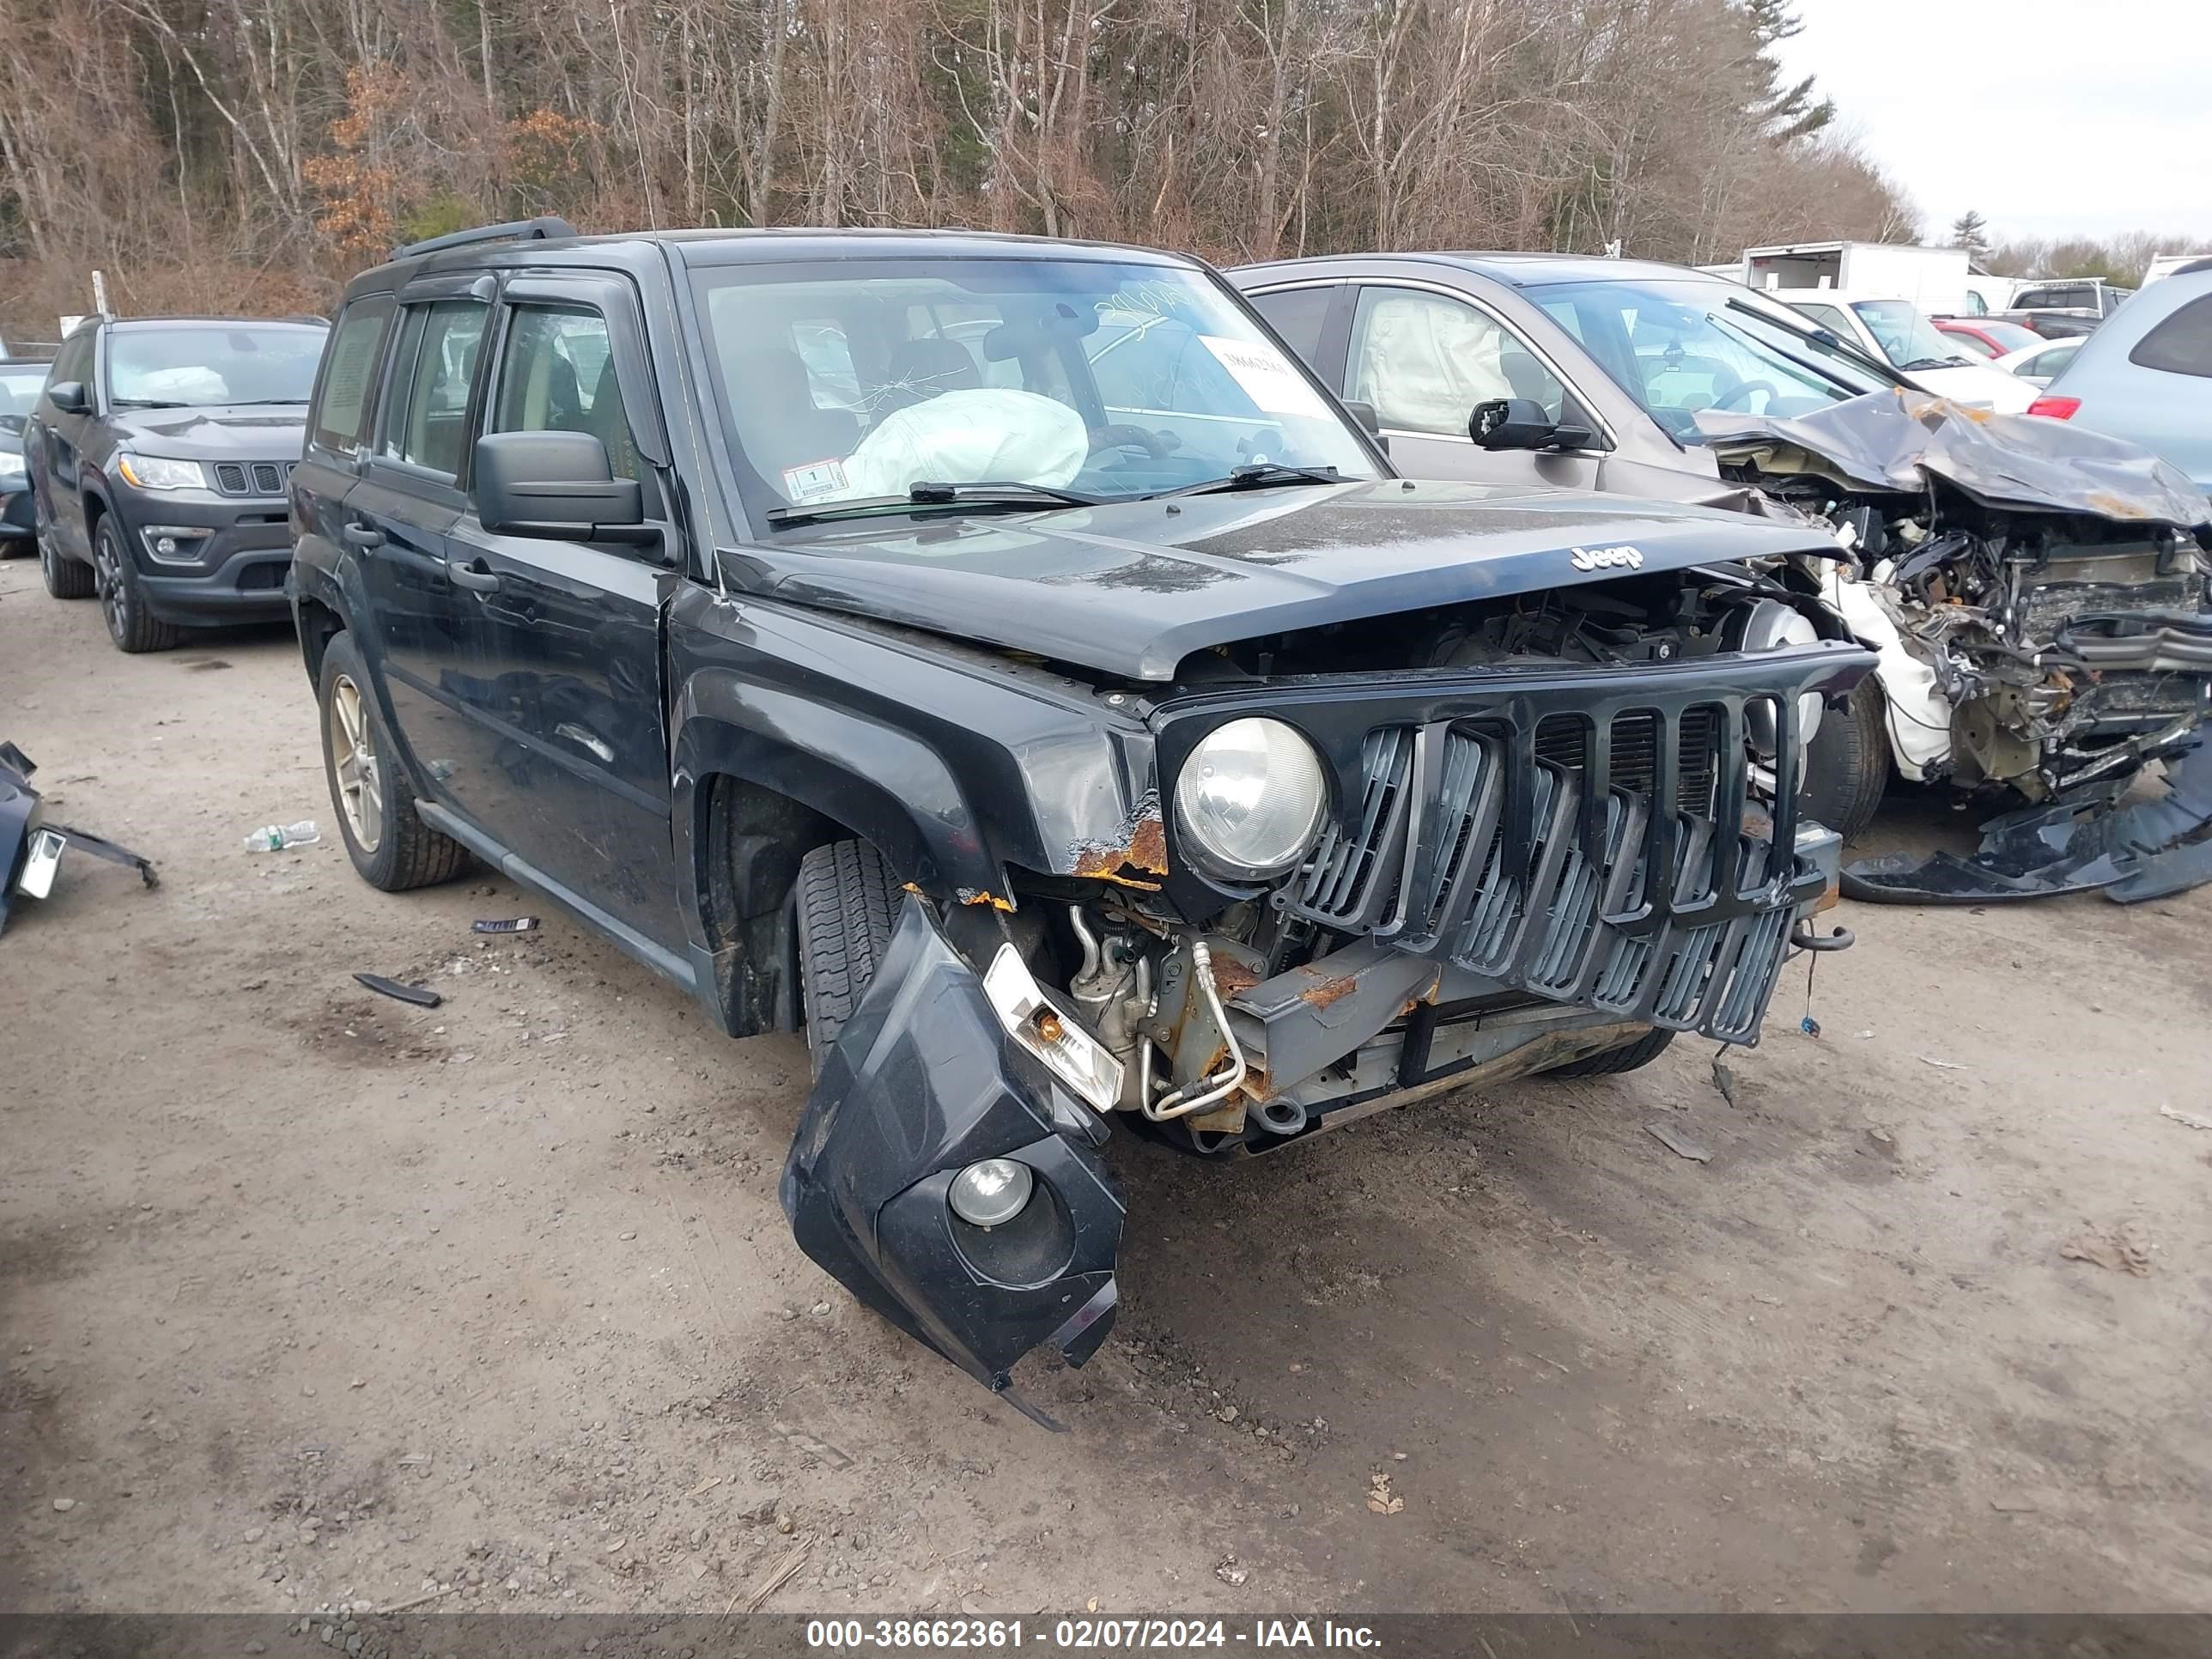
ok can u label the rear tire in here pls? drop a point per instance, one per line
(1611, 1062)
(1847, 763)
(65, 578)
(132, 626)
(847, 901)
(393, 850)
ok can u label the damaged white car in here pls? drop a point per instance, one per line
(2037, 592)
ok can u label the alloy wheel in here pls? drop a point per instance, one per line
(353, 764)
(114, 600)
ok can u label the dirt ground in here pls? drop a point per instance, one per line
(309, 1295)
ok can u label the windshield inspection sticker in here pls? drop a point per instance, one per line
(814, 481)
(1267, 381)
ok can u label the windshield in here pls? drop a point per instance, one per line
(1991, 338)
(206, 366)
(856, 380)
(19, 390)
(1907, 338)
(1677, 347)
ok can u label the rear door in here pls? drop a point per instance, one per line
(398, 519)
(1424, 358)
(563, 638)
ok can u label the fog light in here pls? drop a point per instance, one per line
(174, 543)
(993, 1191)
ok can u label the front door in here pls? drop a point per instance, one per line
(1424, 359)
(563, 638)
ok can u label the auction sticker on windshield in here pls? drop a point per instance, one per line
(1267, 381)
(814, 481)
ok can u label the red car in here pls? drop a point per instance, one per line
(1988, 337)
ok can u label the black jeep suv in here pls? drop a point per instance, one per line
(159, 456)
(1003, 659)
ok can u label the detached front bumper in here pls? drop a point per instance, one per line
(921, 1082)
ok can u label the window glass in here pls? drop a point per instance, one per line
(1682, 345)
(1425, 360)
(1298, 315)
(1832, 318)
(218, 365)
(853, 381)
(74, 361)
(19, 390)
(2182, 344)
(1907, 338)
(428, 426)
(559, 376)
(349, 373)
(2049, 363)
(1973, 345)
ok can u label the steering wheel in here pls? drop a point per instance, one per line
(1743, 388)
(1155, 445)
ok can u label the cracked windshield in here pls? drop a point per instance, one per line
(1094, 380)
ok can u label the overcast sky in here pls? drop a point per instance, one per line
(2045, 116)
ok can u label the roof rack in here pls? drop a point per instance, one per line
(544, 228)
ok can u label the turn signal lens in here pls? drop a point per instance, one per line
(2059, 408)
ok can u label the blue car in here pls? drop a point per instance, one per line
(2146, 374)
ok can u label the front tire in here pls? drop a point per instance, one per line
(65, 579)
(847, 901)
(130, 624)
(1847, 763)
(391, 848)
(1612, 1062)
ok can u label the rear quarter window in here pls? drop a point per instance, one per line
(349, 374)
(2182, 344)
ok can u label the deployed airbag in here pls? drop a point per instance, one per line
(991, 435)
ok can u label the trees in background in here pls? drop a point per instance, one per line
(2121, 259)
(255, 151)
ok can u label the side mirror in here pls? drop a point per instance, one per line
(1369, 421)
(68, 396)
(1521, 424)
(556, 486)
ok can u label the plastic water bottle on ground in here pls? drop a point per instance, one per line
(276, 837)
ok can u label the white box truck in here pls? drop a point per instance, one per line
(1932, 278)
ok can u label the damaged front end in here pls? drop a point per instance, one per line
(2037, 597)
(31, 845)
(1574, 825)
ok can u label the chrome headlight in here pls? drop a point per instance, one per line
(1251, 798)
(159, 472)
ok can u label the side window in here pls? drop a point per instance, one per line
(349, 374)
(1425, 360)
(426, 424)
(558, 376)
(74, 361)
(2182, 344)
(1973, 343)
(1298, 315)
(1834, 320)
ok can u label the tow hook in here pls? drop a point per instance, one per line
(1803, 939)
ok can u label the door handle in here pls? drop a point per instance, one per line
(362, 535)
(476, 576)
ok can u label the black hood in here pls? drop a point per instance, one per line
(1132, 588)
(259, 432)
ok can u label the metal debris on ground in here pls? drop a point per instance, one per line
(420, 996)
(2125, 1248)
(1943, 1065)
(31, 845)
(1809, 1026)
(2187, 1120)
(1724, 1079)
(1678, 1143)
(511, 925)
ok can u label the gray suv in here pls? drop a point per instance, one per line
(159, 456)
